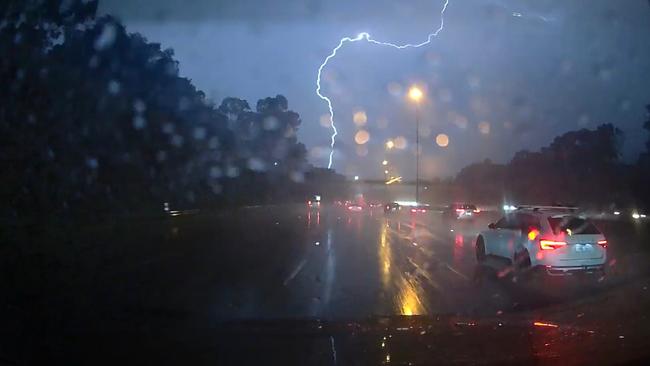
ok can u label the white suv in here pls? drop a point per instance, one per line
(550, 237)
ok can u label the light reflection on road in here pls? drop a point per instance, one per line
(407, 291)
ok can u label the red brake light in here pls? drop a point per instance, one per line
(602, 243)
(460, 210)
(545, 244)
(532, 235)
(309, 202)
(414, 210)
(477, 210)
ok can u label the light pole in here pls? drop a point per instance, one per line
(416, 94)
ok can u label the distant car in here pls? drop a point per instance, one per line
(355, 207)
(419, 209)
(630, 213)
(461, 211)
(555, 239)
(392, 207)
(314, 202)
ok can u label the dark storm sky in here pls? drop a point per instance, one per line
(502, 76)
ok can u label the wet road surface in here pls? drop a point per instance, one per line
(351, 265)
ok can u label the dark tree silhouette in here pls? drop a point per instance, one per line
(578, 166)
(97, 120)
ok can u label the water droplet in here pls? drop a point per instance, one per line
(199, 133)
(92, 163)
(177, 140)
(161, 156)
(139, 122)
(139, 106)
(106, 37)
(215, 172)
(270, 123)
(213, 143)
(114, 87)
(168, 128)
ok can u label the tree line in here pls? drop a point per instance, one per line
(578, 167)
(96, 120)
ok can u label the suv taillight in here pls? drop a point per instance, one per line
(546, 244)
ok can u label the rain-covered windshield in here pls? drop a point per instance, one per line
(326, 182)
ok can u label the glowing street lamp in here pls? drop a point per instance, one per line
(415, 94)
(384, 163)
(390, 144)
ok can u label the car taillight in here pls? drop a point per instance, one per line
(309, 202)
(477, 210)
(545, 244)
(602, 243)
(532, 234)
(460, 210)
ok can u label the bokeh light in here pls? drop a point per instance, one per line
(359, 118)
(484, 127)
(415, 93)
(395, 89)
(390, 144)
(325, 121)
(400, 142)
(361, 137)
(442, 140)
(362, 150)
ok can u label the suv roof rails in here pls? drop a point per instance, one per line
(540, 208)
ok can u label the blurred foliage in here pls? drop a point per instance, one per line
(578, 167)
(94, 120)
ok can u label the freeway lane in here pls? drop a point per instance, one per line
(292, 262)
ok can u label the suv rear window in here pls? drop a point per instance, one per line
(576, 225)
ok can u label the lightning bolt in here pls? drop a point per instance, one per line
(366, 36)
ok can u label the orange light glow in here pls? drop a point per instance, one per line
(548, 325)
(602, 243)
(532, 235)
(361, 137)
(442, 140)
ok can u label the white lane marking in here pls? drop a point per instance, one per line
(295, 272)
(457, 272)
(333, 349)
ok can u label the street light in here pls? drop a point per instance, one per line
(415, 94)
(384, 163)
(390, 144)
